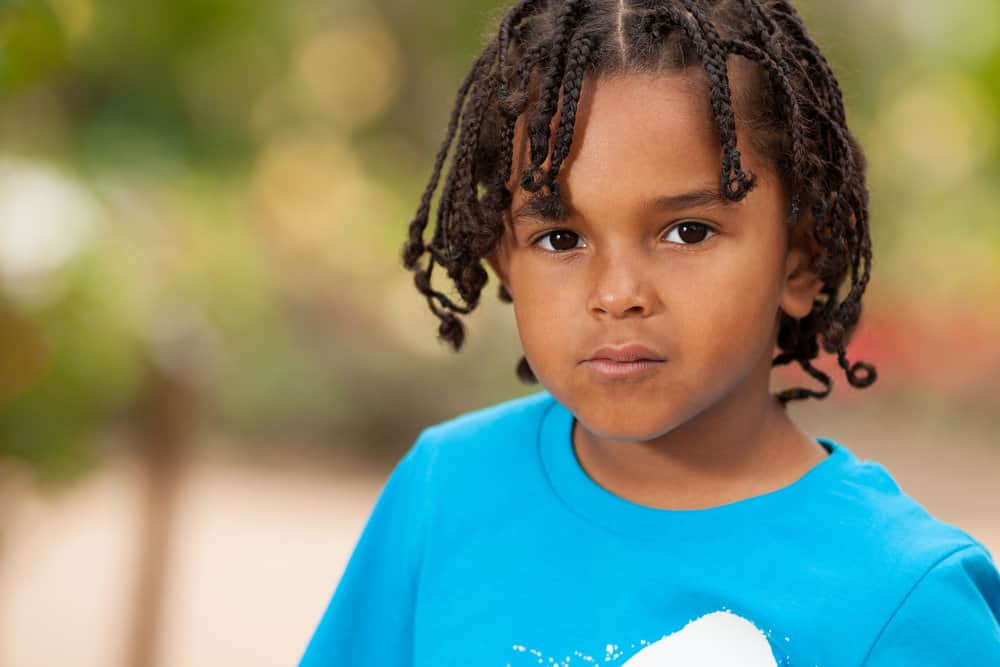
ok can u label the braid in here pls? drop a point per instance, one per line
(510, 24)
(538, 126)
(788, 97)
(800, 345)
(766, 29)
(450, 328)
(414, 247)
(576, 63)
(797, 119)
(734, 182)
(512, 105)
(792, 22)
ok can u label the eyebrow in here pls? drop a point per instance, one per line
(530, 212)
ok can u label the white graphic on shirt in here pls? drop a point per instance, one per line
(715, 640)
(718, 639)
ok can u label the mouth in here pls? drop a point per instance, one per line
(625, 354)
(624, 362)
(623, 369)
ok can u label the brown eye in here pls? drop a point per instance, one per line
(559, 241)
(690, 233)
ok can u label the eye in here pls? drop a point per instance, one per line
(560, 240)
(690, 233)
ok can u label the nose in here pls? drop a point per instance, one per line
(620, 290)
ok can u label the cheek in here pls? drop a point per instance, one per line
(729, 312)
(542, 313)
(546, 301)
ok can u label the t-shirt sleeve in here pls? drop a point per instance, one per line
(369, 619)
(950, 617)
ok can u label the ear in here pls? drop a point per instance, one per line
(802, 284)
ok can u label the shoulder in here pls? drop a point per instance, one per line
(492, 422)
(469, 472)
(951, 611)
(874, 506)
(914, 564)
(498, 429)
(489, 449)
(487, 441)
(883, 559)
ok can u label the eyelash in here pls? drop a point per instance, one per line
(672, 228)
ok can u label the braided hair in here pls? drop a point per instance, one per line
(797, 120)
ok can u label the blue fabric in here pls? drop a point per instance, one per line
(490, 546)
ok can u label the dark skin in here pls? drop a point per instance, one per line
(701, 429)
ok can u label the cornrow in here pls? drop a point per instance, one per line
(800, 124)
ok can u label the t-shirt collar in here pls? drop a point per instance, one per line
(595, 503)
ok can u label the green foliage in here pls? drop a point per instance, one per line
(86, 373)
(31, 45)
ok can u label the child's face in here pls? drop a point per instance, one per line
(618, 271)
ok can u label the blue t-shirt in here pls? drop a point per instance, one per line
(490, 546)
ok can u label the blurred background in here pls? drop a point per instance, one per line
(210, 355)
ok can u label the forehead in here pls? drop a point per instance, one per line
(636, 136)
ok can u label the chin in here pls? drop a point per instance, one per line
(625, 433)
(636, 415)
(627, 423)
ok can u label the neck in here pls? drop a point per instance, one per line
(743, 446)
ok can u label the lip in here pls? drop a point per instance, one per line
(631, 352)
(630, 361)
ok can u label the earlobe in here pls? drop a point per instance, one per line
(802, 284)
